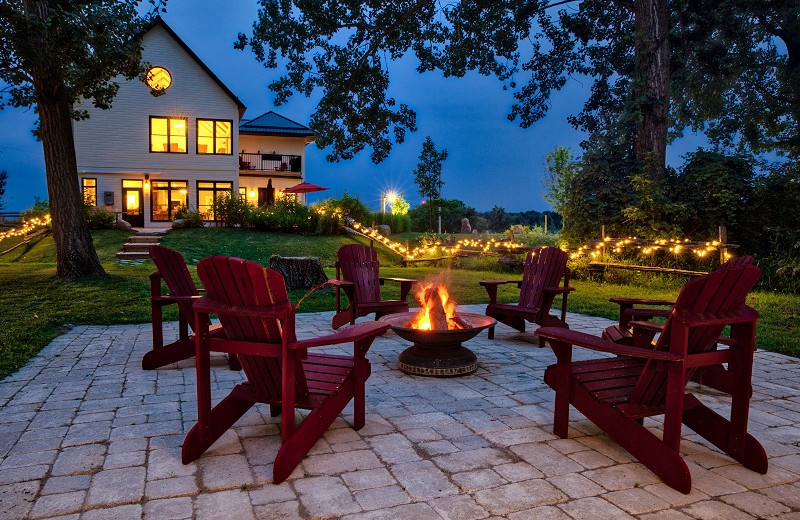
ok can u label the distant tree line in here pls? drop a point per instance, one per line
(495, 220)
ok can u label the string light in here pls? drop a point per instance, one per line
(27, 226)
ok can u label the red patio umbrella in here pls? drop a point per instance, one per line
(304, 187)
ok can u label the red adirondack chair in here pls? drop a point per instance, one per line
(358, 275)
(259, 322)
(616, 393)
(543, 270)
(630, 315)
(183, 292)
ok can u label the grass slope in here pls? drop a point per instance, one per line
(37, 306)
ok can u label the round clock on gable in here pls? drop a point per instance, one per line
(158, 78)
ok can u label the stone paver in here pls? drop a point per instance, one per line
(85, 434)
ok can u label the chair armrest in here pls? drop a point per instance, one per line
(640, 301)
(348, 334)
(560, 290)
(581, 339)
(647, 314)
(277, 311)
(405, 285)
(339, 283)
(491, 287)
(398, 280)
(487, 283)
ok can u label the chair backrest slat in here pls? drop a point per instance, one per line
(241, 283)
(359, 264)
(718, 294)
(173, 270)
(544, 267)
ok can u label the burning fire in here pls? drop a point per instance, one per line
(438, 311)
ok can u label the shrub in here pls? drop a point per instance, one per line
(100, 218)
(285, 215)
(40, 209)
(398, 223)
(231, 211)
(190, 218)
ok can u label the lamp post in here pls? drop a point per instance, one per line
(383, 202)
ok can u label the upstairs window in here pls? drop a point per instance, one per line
(214, 136)
(168, 134)
(89, 189)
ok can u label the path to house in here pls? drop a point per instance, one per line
(86, 434)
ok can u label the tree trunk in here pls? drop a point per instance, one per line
(75, 253)
(299, 272)
(652, 85)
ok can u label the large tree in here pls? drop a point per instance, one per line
(342, 48)
(736, 72)
(54, 53)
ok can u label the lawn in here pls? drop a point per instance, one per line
(37, 306)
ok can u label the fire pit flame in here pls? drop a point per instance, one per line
(437, 310)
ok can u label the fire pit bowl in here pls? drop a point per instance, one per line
(438, 353)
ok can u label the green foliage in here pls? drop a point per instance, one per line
(428, 176)
(400, 206)
(453, 211)
(232, 211)
(738, 77)
(346, 205)
(497, 219)
(100, 218)
(560, 169)
(39, 209)
(714, 190)
(286, 215)
(189, 217)
(398, 223)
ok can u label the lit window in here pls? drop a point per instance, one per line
(168, 134)
(89, 189)
(167, 197)
(207, 191)
(214, 136)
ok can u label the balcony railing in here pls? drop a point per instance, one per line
(262, 162)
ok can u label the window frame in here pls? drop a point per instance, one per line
(169, 136)
(83, 188)
(215, 191)
(168, 189)
(213, 136)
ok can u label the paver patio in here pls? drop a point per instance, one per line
(86, 434)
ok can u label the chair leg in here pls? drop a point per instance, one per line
(222, 417)
(168, 354)
(491, 332)
(307, 433)
(717, 430)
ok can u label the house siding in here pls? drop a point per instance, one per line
(115, 144)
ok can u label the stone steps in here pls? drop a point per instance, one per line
(138, 245)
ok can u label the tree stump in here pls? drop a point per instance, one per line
(300, 272)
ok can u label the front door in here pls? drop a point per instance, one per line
(133, 203)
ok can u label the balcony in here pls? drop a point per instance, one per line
(275, 164)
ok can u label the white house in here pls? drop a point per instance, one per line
(180, 140)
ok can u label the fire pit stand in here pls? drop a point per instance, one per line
(438, 353)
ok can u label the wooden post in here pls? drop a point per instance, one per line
(723, 239)
(603, 240)
(545, 224)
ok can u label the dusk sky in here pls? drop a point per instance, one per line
(492, 161)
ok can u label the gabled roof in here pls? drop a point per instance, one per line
(271, 123)
(159, 21)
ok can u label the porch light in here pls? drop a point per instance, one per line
(251, 194)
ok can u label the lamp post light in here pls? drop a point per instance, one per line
(388, 196)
